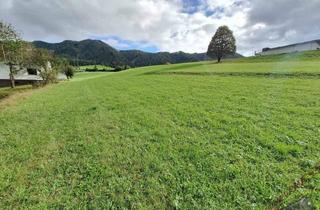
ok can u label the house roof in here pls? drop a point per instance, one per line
(291, 45)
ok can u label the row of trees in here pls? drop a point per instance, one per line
(19, 54)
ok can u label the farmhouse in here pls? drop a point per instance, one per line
(299, 47)
(23, 77)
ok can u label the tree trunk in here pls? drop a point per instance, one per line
(219, 59)
(4, 54)
(11, 75)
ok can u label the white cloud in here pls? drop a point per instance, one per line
(115, 43)
(220, 3)
(164, 23)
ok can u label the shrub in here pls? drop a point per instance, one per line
(49, 76)
(69, 71)
(121, 68)
(118, 68)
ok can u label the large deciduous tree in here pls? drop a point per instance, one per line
(223, 43)
(11, 45)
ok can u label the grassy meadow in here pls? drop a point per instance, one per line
(236, 135)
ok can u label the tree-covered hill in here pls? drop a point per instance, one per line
(97, 52)
(84, 52)
(140, 58)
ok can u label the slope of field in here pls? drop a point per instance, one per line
(189, 136)
(298, 56)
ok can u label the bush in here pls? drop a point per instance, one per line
(69, 71)
(118, 68)
(49, 76)
(121, 68)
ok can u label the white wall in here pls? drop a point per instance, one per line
(294, 48)
(4, 71)
(4, 74)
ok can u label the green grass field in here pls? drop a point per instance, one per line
(235, 135)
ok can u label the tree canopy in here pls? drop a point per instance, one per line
(10, 41)
(223, 43)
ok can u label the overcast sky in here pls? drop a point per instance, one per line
(166, 25)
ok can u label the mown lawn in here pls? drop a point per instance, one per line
(190, 136)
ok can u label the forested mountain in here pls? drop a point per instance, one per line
(84, 52)
(97, 52)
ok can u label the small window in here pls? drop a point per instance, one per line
(32, 71)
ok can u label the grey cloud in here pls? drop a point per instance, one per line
(287, 21)
(155, 21)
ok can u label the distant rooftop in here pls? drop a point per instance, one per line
(291, 45)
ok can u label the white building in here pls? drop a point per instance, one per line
(24, 76)
(299, 47)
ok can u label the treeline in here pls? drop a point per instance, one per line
(95, 68)
(137, 58)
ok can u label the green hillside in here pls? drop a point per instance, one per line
(236, 135)
(299, 56)
(85, 52)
